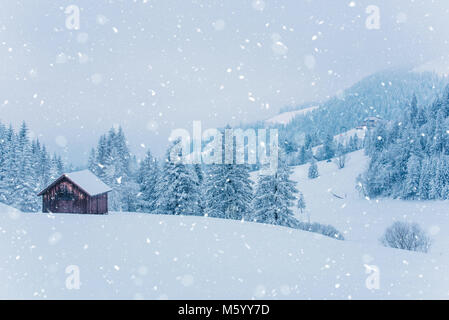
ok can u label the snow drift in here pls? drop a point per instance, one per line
(134, 256)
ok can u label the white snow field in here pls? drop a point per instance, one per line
(286, 117)
(143, 256)
(363, 220)
(345, 137)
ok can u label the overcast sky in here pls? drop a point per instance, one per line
(151, 66)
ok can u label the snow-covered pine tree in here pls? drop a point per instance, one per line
(11, 166)
(302, 155)
(200, 181)
(440, 181)
(56, 167)
(228, 191)
(313, 169)
(38, 161)
(274, 197)
(177, 189)
(4, 174)
(147, 178)
(413, 112)
(124, 156)
(26, 185)
(328, 147)
(130, 190)
(411, 188)
(102, 156)
(425, 178)
(92, 164)
(133, 167)
(44, 168)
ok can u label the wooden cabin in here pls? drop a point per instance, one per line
(371, 122)
(76, 192)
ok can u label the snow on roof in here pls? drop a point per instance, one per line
(372, 118)
(88, 182)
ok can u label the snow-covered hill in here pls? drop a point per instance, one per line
(285, 117)
(345, 137)
(148, 256)
(363, 220)
(130, 255)
(10, 211)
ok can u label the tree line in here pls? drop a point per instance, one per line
(155, 186)
(26, 168)
(409, 157)
(169, 186)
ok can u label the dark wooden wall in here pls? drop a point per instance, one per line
(66, 197)
(98, 204)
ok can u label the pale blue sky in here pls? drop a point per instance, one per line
(151, 66)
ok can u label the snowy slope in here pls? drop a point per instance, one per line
(344, 137)
(285, 117)
(13, 213)
(130, 255)
(158, 257)
(363, 220)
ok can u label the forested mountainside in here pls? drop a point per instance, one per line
(383, 94)
(410, 156)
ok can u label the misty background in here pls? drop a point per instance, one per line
(153, 66)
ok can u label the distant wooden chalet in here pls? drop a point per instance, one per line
(76, 192)
(370, 122)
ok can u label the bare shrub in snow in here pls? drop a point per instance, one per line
(406, 236)
(340, 159)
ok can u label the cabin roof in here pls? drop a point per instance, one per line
(84, 179)
(374, 118)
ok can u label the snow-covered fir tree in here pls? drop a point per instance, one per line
(228, 191)
(147, 178)
(200, 182)
(275, 196)
(26, 184)
(177, 189)
(328, 147)
(313, 170)
(411, 186)
(56, 167)
(92, 163)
